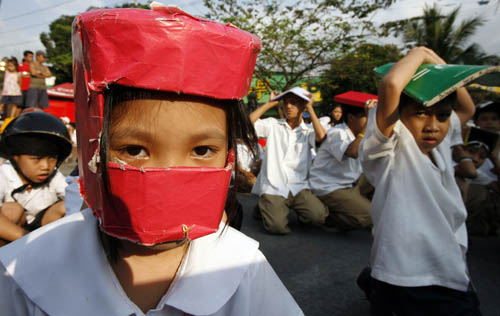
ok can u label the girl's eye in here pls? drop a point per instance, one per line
(203, 152)
(420, 113)
(136, 152)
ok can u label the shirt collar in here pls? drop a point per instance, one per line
(65, 259)
(208, 277)
(211, 272)
(11, 173)
(302, 125)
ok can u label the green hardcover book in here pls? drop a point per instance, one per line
(432, 83)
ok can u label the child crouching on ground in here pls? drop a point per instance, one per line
(31, 187)
(155, 144)
(420, 240)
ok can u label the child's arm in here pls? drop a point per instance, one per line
(319, 131)
(395, 81)
(496, 170)
(353, 148)
(465, 106)
(255, 115)
(465, 166)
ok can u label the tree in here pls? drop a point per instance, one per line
(57, 44)
(439, 32)
(58, 48)
(299, 38)
(354, 71)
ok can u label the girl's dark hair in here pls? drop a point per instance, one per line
(238, 126)
(14, 61)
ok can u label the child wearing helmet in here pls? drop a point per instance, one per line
(31, 187)
(158, 107)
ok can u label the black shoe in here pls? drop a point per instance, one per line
(364, 281)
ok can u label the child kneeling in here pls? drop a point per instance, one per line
(31, 187)
(420, 239)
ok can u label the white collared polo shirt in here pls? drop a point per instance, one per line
(288, 157)
(332, 169)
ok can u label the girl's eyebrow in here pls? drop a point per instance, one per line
(132, 132)
(209, 132)
(148, 135)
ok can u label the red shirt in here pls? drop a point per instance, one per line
(24, 68)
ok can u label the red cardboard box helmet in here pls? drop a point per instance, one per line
(162, 49)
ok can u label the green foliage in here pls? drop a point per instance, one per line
(132, 5)
(57, 44)
(58, 48)
(354, 71)
(298, 38)
(441, 33)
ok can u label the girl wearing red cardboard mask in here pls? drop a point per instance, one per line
(158, 116)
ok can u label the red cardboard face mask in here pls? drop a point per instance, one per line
(156, 205)
(162, 49)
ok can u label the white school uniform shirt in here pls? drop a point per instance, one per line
(35, 200)
(61, 269)
(288, 157)
(331, 170)
(455, 132)
(325, 122)
(418, 215)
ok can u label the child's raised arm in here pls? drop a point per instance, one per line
(319, 131)
(393, 83)
(255, 115)
(465, 106)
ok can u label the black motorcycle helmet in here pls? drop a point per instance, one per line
(38, 134)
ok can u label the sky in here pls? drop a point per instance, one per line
(22, 21)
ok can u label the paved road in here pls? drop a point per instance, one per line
(319, 268)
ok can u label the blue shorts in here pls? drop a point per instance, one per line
(37, 98)
(12, 99)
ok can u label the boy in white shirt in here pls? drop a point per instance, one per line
(420, 240)
(336, 174)
(282, 182)
(31, 187)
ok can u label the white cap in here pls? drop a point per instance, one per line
(298, 91)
